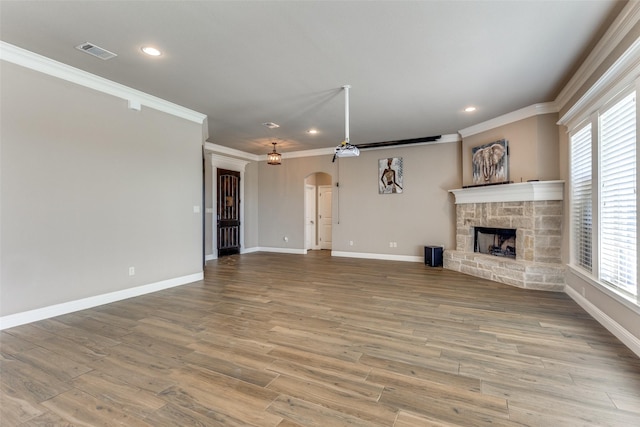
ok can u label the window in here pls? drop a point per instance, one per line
(605, 244)
(581, 209)
(618, 195)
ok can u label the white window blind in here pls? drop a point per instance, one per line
(618, 262)
(581, 204)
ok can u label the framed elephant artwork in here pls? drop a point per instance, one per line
(491, 163)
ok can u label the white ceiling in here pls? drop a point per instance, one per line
(413, 66)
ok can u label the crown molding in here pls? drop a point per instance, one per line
(622, 25)
(210, 146)
(445, 139)
(514, 116)
(135, 98)
(614, 77)
(228, 162)
(305, 153)
(619, 76)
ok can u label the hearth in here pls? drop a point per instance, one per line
(533, 212)
(495, 241)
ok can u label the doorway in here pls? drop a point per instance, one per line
(211, 221)
(318, 211)
(228, 208)
(325, 217)
(310, 217)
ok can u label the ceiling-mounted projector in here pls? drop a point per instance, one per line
(347, 150)
(344, 149)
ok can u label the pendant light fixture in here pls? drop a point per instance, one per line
(274, 158)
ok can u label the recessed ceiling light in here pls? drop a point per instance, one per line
(312, 131)
(151, 51)
(470, 109)
(271, 125)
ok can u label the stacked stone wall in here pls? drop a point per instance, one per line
(538, 227)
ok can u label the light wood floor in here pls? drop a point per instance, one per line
(295, 340)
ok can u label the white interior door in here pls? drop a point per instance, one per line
(310, 221)
(324, 216)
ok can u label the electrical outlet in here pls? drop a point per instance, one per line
(390, 244)
(132, 271)
(350, 242)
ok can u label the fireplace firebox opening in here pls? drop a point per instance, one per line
(495, 241)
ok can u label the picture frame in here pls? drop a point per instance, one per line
(390, 175)
(491, 163)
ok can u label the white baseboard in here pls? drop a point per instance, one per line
(266, 249)
(614, 327)
(250, 250)
(386, 257)
(25, 317)
(209, 257)
(282, 250)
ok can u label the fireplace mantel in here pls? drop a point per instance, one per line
(516, 192)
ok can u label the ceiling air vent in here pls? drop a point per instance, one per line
(96, 51)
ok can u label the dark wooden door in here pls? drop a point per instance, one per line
(228, 212)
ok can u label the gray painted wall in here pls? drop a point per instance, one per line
(89, 189)
(210, 206)
(423, 214)
(281, 199)
(533, 148)
(251, 207)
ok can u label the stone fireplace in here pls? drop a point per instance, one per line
(534, 211)
(495, 241)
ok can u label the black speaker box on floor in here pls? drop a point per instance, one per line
(433, 256)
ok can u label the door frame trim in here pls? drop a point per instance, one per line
(314, 243)
(229, 163)
(319, 189)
